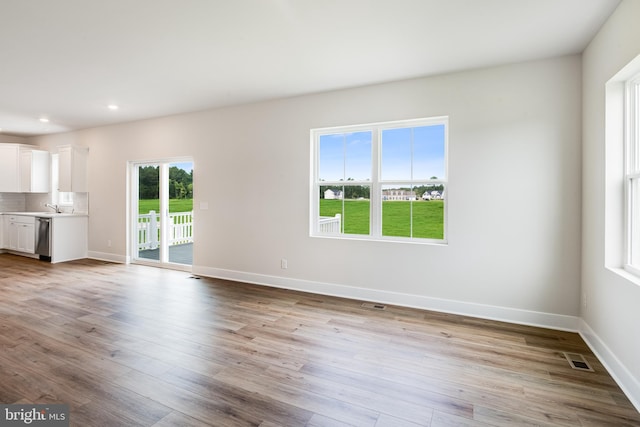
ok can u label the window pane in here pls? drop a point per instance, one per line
(634, 144)
(428, 152)
(357, 213)
(181, 213)
(344, 210)
(358, 156)
(149, 226)
(330, 221)
(633, 156)
(428, 214)
(65, 198)
(396, 154)
(413, 153)
(396, 210)
(406, 213)
(331, 158)
(345, 156)
(634, 223)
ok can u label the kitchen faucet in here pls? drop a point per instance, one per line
(54, 207)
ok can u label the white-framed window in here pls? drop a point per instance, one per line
(381, 181)
(632, 175)
(59, 198)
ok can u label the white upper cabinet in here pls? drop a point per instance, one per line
(23, 169)
(72, 174)
(10, 168)
(35, 171)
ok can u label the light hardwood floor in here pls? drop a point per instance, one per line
(131, 345)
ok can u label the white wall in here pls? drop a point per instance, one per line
(10, 139)
(612, 312)
(513, 252)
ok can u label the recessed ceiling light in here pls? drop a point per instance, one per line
(112, 107)
(44, 120)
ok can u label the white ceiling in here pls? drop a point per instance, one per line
(68, 59)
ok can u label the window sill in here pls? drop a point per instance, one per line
(385, 240)
(625, 274)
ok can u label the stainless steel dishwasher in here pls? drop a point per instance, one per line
(43, 238)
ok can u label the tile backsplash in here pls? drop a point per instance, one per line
(12, 202)
(81, 203)
(35, 202)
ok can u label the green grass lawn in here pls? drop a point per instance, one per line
(428, 217)
(175, 205)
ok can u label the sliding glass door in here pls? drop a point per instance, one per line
(162, 211)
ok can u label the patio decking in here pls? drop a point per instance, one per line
(179, 254)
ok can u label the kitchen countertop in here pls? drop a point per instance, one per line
(46, 214)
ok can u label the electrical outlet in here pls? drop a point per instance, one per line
(584, 301)
(109, 243)
(284, 264)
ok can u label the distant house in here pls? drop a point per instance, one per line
(333, 194)
(396, 194)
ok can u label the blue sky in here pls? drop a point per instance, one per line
(187, 166)
(348, 155)
(428, 153)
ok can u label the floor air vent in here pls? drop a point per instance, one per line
(577, 361)
(374, 306)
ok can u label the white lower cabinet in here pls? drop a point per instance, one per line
(22, 234)
(12, 240)
(68, 235)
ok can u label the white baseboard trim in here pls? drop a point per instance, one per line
(105, 256)
(629, 385)
(504, 314)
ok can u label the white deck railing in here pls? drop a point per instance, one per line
(180, 229)
(330, 224)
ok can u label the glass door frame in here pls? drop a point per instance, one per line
(132, 209)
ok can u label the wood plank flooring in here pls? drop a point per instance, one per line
(128, 345)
